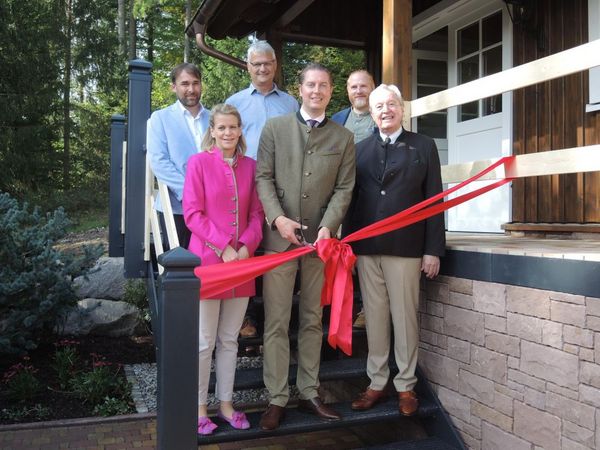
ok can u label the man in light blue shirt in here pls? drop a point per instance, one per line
(262, 99)
(174, 134)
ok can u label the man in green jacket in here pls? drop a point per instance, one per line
(304, 177)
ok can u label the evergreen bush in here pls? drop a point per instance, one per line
(36, 278)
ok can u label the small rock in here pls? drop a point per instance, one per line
(105, 280)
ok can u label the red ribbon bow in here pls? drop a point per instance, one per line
(338, 291)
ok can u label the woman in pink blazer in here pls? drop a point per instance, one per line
(223, 212)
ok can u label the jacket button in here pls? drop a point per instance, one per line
(233, 199)
(233, 224)
(382, 192)
(306, 174)
(304, 195)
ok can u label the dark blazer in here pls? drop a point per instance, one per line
(389, 181)
(341, 116)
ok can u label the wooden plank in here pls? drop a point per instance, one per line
(518, 185)
(553, 227)
(570, 160)
(560, 64)
(573, 106)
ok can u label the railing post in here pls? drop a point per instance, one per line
(117, 137)
(178, 305)
(140, 84)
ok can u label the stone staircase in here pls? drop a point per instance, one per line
(346, 373)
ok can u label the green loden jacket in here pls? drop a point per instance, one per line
(306, 174)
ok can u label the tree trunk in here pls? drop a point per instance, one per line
(67, 97)
(186, 42)
(132, 32)
(121, 19)
(150, 43)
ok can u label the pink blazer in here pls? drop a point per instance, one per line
(221, 207)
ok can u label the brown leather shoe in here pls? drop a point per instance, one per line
(248, 329)
(408, 403)
(272, 417)
(317, 407)
(368, 399)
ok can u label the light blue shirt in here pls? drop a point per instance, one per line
(255, 108)
(170, 143)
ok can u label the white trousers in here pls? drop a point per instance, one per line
(389, 286)
(220, 323)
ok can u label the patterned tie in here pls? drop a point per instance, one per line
(312, 123)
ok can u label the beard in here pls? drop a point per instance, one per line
(189, 101)
(360, 102)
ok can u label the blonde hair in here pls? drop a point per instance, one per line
(208, 141)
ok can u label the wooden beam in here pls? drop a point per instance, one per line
(569, 160)
(554, 66)
(397, 45)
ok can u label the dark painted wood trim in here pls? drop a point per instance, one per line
(550, 274)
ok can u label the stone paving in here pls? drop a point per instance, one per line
(138, 431)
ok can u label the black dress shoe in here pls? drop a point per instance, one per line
(317, 407)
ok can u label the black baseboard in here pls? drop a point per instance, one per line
(550, 274)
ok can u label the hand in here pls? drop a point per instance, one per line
(430, 265)
(243, 253)
(324, 233)
(229, 254)
(287, 229)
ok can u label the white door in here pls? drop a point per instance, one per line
(479, 44)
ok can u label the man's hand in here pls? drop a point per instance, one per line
(287, 229)
(430, 265)
(324, 233)
(229, 254)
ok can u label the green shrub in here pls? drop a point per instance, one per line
(36, 286)
(65, 362)
(101, 382)
(112, 407)
(135, 294)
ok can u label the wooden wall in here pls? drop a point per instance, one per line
(551, 116)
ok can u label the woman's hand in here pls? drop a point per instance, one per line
(243, 253)
(229, 254)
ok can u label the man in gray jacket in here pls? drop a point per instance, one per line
(304, 177)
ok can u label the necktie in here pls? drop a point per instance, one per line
(312, 123)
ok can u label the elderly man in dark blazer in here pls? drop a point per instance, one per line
(395, 169)
(304, 178)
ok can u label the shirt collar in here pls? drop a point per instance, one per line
(305, 116)
(392, 136)
(274, 89)
(186, 111)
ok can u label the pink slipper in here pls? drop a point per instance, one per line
(206, 426)
(238, 420)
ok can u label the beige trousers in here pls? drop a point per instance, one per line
(220, 323)
(278, 287)
(389, 286)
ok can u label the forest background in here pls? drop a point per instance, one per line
(63, 73)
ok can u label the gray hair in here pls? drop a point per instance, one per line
(388, 88)
(259, 46)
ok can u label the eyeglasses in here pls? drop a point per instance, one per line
(267, 64)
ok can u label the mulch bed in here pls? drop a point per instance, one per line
(61, 405)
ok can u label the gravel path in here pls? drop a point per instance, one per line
(143, 381)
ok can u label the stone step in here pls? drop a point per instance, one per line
(300, 422)
(431, 443)
(333, 370)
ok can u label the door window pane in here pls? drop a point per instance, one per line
(432, 72)
(468, 40)
(491, 32)
(492, 61)
(468, 69)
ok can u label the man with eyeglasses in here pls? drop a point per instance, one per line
(262, 100)
(395, 169)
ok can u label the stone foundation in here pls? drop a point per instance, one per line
(516, 368)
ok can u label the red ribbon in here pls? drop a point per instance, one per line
(338, 258)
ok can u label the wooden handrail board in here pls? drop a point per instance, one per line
(569, 160)
(576, 59)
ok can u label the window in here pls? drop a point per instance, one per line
(479, 53)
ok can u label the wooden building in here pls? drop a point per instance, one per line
(426, 46)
